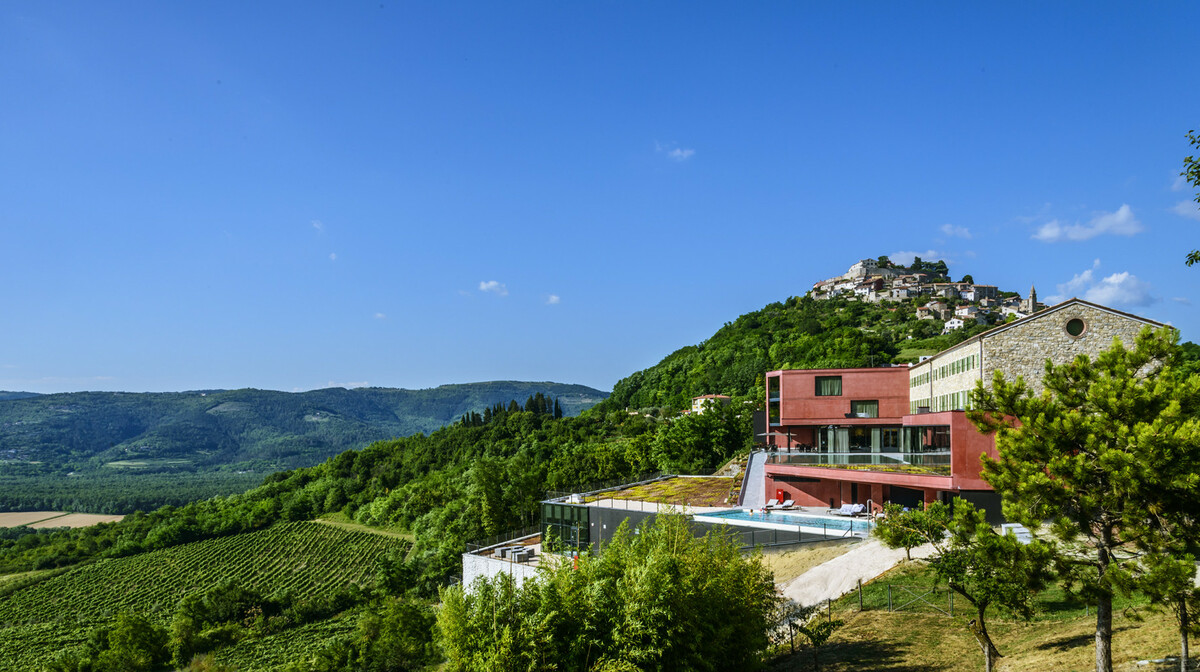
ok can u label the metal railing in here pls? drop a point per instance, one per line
(600, 486)
(503, 537)
(935, 462)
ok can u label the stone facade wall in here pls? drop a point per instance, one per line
(1023, 349)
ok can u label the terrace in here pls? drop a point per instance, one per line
(931, 463)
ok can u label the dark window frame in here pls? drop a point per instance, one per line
(820, 379)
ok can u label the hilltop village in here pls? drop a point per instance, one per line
(955, 304)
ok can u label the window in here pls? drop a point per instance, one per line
(829, 386)
(1075, 327)
(889, 439)
(773, 387)
(864, 409)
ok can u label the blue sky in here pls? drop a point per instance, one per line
(298, 195)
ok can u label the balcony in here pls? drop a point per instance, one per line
(929, 463)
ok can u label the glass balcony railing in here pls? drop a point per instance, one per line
(931, 463)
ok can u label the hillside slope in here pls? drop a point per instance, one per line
(797, 333)
(303, 560)
(260, 429)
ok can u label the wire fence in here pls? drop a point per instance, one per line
(610, 484)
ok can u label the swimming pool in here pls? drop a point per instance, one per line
(786, 520)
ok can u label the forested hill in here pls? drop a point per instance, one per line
(260, 429)
(797, 333)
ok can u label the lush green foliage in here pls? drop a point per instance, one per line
(797, 333)
(907, 529)
(393, 636)
(111, 436)
(660, 600)
(115, 491)
(986, 568)
(1111, 454)
(1191, 173)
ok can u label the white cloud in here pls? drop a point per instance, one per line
(905, 257)
(1121, 289)
(494, 287)
(1189, 209)
(674, 152)
(1075, 286)
(1179, 183)
(956, 231)
(318, 225)
(553, 300)
(1119, 223)
(380, 316)
(1117, 289)
(333, 257)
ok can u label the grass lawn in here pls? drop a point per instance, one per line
(699, 491)
(1060, 637)
(344, 522)
(793, 561)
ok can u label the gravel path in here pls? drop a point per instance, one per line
(840, 575)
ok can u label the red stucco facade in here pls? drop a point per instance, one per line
(799, 418)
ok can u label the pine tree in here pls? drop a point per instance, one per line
(1110, 454)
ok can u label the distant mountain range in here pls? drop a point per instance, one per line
(262, 430)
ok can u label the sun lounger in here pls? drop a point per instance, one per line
(849, 510)
(787, 504)
(772, 504)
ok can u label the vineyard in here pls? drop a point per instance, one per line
(273, 651)
(303, 558)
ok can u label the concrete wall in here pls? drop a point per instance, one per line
(475, 566)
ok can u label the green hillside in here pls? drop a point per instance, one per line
(222, 427)
(113, 452)
(304, 560)
(797, 333)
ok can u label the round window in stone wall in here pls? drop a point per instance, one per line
(1076, 327)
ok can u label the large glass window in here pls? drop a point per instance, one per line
(829, 386)
(860, 439)
(864, 409)
(889, 439)
(773, 387)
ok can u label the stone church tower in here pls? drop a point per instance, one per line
(1030, 305)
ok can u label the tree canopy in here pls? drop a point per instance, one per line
(1191, 173)
(1110, 454)
(659, 600)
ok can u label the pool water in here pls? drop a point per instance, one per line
(735, 516)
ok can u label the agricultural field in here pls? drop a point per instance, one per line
(305, 558)
(47, 519)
